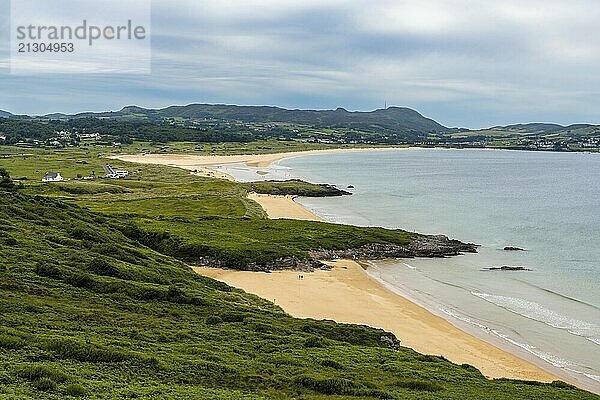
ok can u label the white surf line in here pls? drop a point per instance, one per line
(409, 266)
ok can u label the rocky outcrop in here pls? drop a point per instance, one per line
(507, 268)
(437, 246)
(512, 248)
(422, 246)
(278, 264)
(390, 341)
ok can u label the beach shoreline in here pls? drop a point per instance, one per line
(207, 165)
(443, 337)
(347, 294)
(278, 207)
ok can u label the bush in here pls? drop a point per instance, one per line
(315, 342)
(6, 182)
(563, 385)
(149, 293)
(419, 385)
(48, 270)
(176, 295)
(332, 364)
(44, 384)
(10, 342)
(75, 390)
(66, 348)
(233, 317)
(80, 280)
(213, 320)
(10, 241)
(328, 386)
(353, 334)
(38, 372)
(471, 368)
(431, 359)
(99, 266)
(83, 232)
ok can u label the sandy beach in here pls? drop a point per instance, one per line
(203, 165)
(278, 207)
(348, 294)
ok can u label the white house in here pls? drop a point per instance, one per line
(52, 177)
(112, 173)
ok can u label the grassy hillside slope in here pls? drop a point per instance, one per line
(87, 310)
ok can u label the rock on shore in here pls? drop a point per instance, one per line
(432, 246)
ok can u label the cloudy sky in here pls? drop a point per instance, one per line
(472, 63)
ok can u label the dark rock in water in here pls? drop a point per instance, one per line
(512, 248)
(350, 187)
(507, 268)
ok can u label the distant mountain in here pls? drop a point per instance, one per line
(390, 125)
(531, 128)
(392, 119)
(5, 114)
(542, 130)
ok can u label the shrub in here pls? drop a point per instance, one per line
(80, 280)
(10, 342)
(75, 390)
(431, 359)
(83, 232)
(176, 295)
(6, 182)
(10, 241)
(563, 385)
(213, 320)
(233, 317)
(99, 266)
(66, 348)
(328, 386)
(44, 384)
(419, 385)
(315, 342)
(471, 368)
(37, 372)
(48, 270)
(149, 293)
(332, 364)
(32, 308)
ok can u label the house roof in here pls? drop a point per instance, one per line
(51, 175)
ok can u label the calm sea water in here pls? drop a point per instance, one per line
(546, 203)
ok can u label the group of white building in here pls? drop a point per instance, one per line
(111, 173)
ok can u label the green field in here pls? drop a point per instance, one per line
(93, 303)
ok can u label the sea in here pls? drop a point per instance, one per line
(547, 203)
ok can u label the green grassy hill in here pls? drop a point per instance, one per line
(87, 310)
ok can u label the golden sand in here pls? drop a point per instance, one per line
(348, 294)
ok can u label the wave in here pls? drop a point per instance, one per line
(559, 294)
(549, 358)
(409, 266)
(592, 376)
(540, 313)
(464, 319)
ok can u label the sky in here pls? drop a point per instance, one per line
(464, 63)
